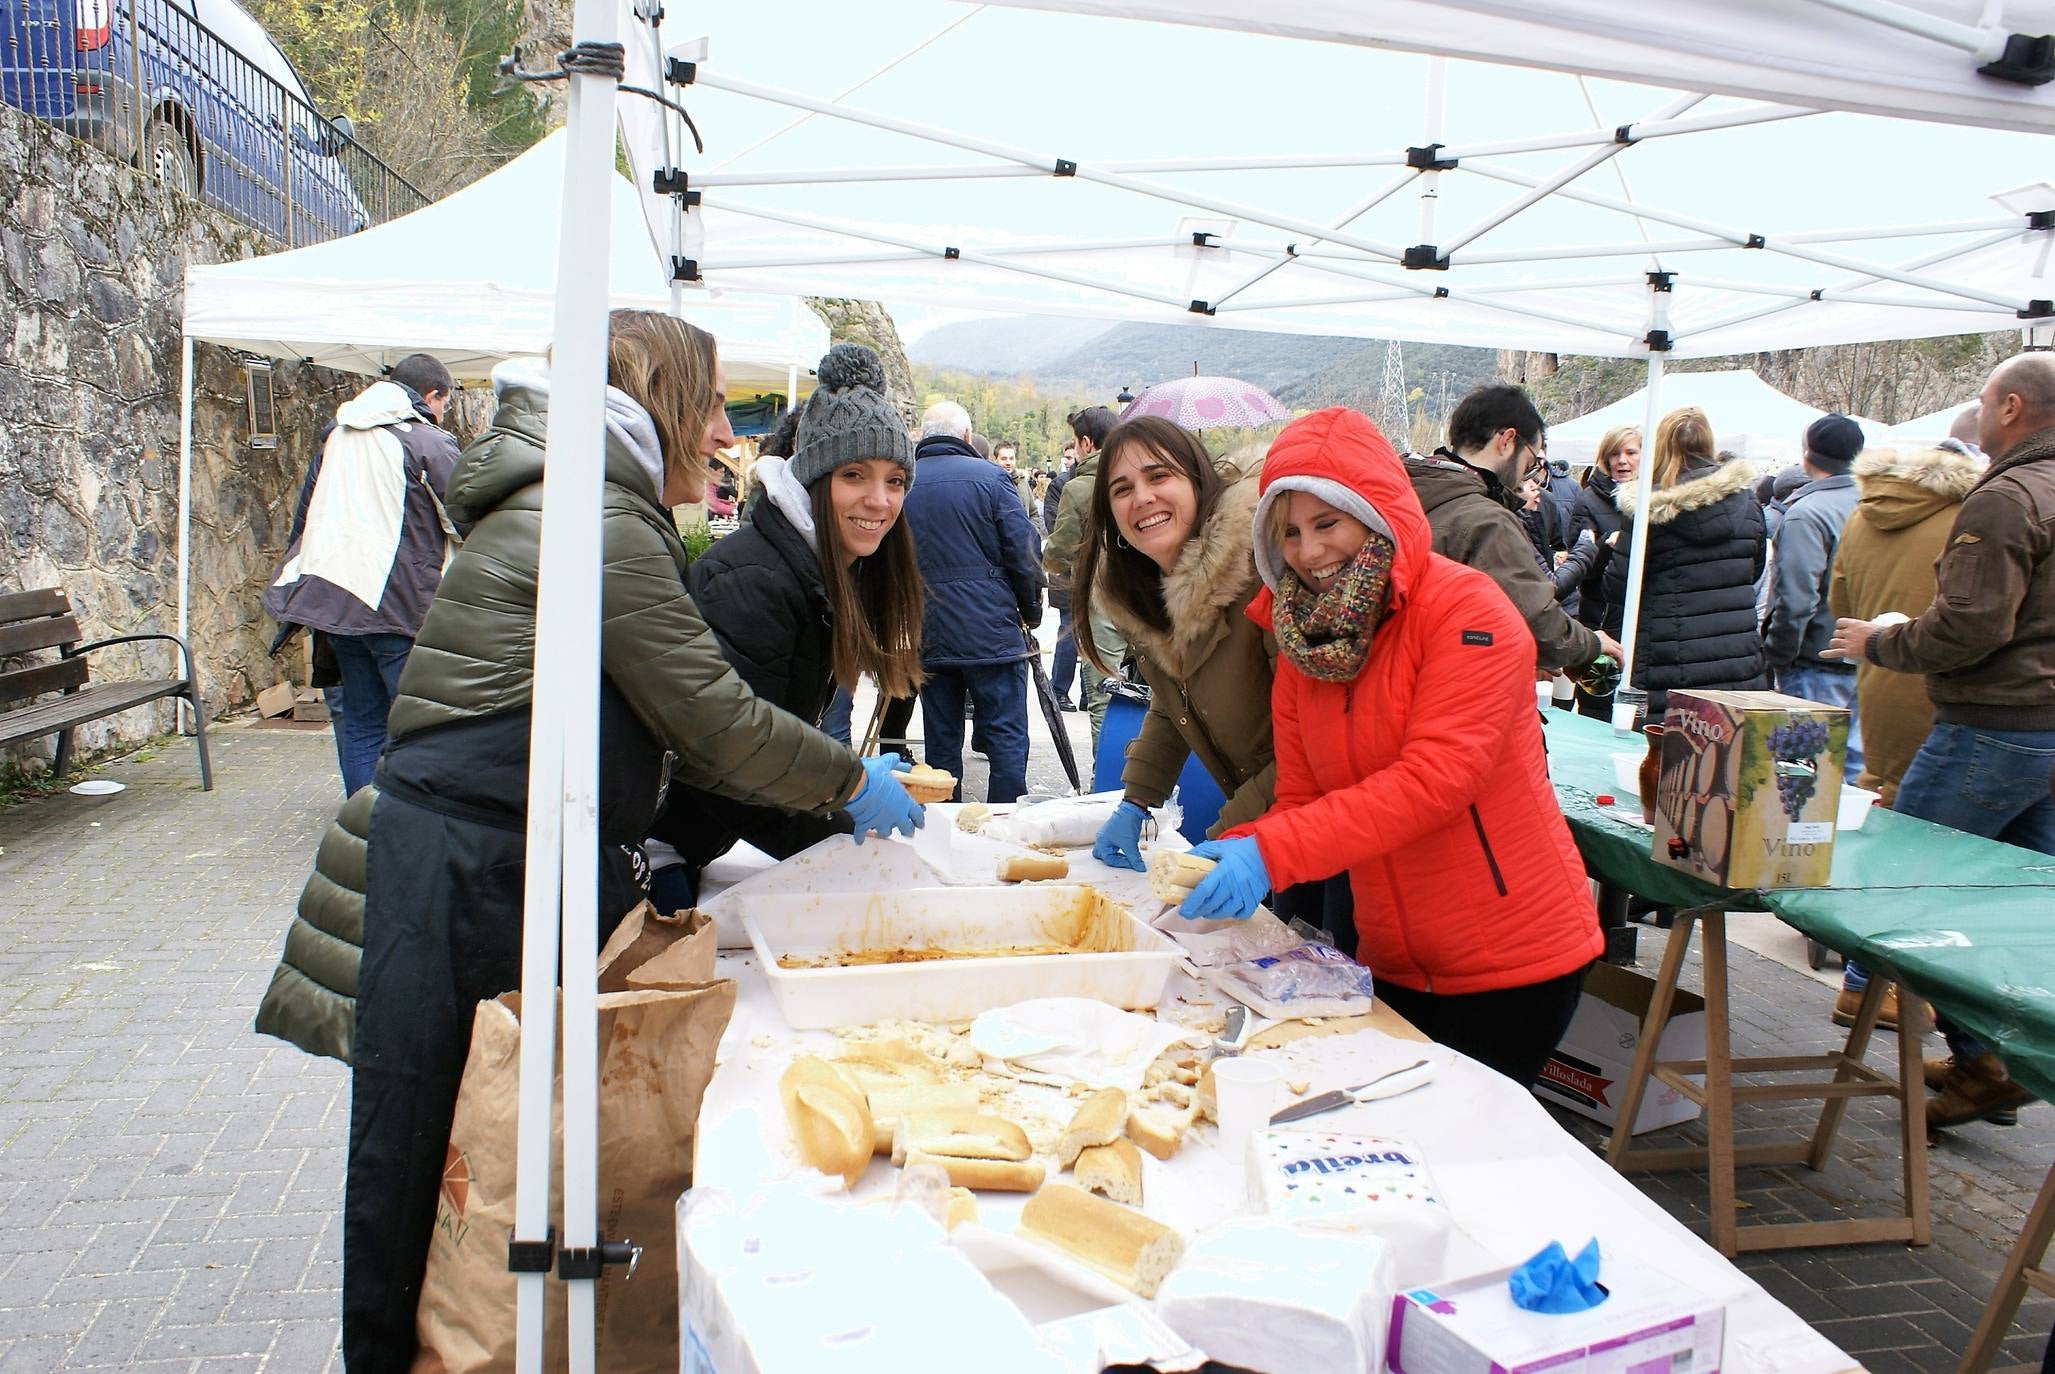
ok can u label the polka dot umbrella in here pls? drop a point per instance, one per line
(1208, 403)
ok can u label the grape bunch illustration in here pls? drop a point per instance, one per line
(1795, 745)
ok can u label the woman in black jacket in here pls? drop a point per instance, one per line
(1705, 550)
(1619, 458)
(817, 587)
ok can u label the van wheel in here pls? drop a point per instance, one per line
(168, 157)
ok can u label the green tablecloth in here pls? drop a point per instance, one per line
(1968, 924)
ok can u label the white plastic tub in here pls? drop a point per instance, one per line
(1121, 960)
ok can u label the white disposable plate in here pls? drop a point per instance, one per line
(96, 787)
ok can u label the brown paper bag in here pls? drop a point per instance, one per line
(649, 950)
(656, 1057)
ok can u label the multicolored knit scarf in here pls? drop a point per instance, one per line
(1326, 635)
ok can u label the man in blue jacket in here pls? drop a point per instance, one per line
(978, 557)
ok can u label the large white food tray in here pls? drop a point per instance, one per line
(1128, 963)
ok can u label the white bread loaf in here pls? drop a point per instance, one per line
(877, 1065)
(998, 1175)
(829, 1119)
(1157, 1131)
(889, 1104)
(1112, 1171)
(925, 784)
(1028, 868)
(1099, 1121)
(1106, 1237)
(1173, 874)
(958, 1135)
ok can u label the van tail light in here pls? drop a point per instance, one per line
(94, 20)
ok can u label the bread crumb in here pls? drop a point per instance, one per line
(1298, 1087)
(762, 1042)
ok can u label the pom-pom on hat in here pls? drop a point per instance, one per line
(1832, 442)
(849, 417)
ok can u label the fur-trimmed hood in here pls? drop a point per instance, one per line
(1215, 572)
(1902, 487)
(1699, 489)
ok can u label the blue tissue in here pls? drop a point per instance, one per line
(1553, 1282)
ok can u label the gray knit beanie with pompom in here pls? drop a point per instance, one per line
(849, 417)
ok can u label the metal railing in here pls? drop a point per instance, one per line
(215, 111)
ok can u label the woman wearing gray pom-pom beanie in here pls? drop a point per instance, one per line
(817, 588)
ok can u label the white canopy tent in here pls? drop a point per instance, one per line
(472, 280)
(1284, 169)
(1928, 429)
(1750, 418)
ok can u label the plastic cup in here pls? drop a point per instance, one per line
(1245, 1088)
(1628, 703)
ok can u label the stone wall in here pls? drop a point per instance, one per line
(92, 263)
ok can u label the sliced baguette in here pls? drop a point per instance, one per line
(829, 1119)
(997, 1175)
(1112, 1171)
(890, 1104)
(1028, 868)
(925, 784)
(1127, 1247)
(1173, 874)
(879, 1064)
(959, 1135)
(1158, 1132)
(963, 1206)
(1099, 1121)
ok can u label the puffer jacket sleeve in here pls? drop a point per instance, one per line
(662, 657)
(1018, 548)
(311, 1001)
(1468, 700)
(755, 614)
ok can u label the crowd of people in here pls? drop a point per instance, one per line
(1345, 638)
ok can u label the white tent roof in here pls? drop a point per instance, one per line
(1071, 161)
(1750, 418)
(472, 279)
(1928, 429)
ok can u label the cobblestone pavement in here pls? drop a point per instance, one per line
(170, 1182)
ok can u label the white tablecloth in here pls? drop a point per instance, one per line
(1512, 1178)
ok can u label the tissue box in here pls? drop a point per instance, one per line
(1749, 788)
(1648, 1323)
(1358, 1184)
(1278, 1299)
(1587, 1071)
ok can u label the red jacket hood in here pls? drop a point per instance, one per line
(1342, 445)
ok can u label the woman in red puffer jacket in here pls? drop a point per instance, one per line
(1409, 750)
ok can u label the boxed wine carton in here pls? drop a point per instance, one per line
(1749, 787)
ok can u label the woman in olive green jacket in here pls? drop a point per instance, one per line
(443, 866)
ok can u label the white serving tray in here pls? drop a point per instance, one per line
(1132, 975)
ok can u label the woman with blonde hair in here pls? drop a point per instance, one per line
(443, 867)
(1706, 546)
(1617, 461)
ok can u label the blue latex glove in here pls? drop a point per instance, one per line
(1553, 1282)
(1119, 842)
(881, 804)
(1235, 887)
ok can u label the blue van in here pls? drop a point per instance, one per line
(223, 115)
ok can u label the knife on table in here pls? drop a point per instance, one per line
(1414, 1075)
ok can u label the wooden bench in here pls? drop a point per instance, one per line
(42, 619)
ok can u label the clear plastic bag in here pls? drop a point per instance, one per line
(1314, 979)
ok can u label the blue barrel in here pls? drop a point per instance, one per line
(1197, 793)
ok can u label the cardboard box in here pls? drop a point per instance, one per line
(275, 700)
(1648, 1322)
(1750, 785)
(1588, 1071)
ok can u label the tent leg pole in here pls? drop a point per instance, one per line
(561, 894)
(185, 510)
(791, 385)
(1637, 557)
